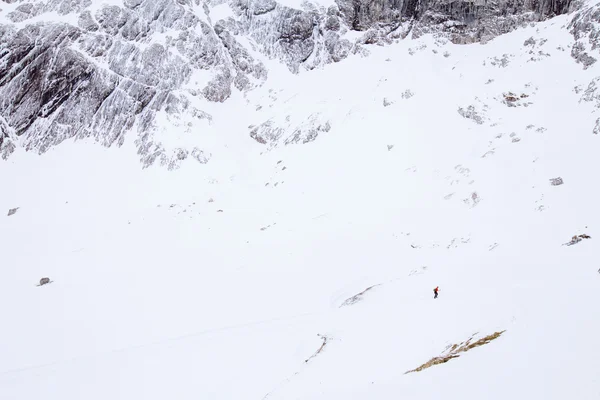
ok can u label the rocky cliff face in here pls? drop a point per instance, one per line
(459, 20)
(77, 68)
(585, 28)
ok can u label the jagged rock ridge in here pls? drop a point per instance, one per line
(101, 71)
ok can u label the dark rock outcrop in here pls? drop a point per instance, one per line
(462, 21)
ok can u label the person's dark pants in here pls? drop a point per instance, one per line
(435, 294)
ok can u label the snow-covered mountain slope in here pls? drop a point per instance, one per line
(424, 164)
(152, 68)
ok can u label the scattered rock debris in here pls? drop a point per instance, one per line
(454, 243)
(264, 228)
(473, 200)
(325, 339)
(499, 62)
(418, 271)
(357, 297)
(453, 351)
(462, 170)
(471, 113)
(12, 211)
(413, 51)
(513, 100)
(407, 94)
(489, 153)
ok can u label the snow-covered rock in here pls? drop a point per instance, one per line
(585, 28)
(228, 299)
(78, 69)
(274, 131)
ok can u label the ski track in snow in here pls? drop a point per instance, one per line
(161, 342)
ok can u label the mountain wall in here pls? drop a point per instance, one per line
(78, 69)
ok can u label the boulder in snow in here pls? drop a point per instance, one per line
(556, 181)
(44, 281)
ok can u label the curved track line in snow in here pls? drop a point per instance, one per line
(158, 342)
(326, 339)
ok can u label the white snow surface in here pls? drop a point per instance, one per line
(221, 11)
(155, 294)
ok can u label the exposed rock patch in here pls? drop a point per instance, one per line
(576, 239)
(455, 350)
(357, 297)
(320, 349)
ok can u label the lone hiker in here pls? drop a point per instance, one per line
(435, 292)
